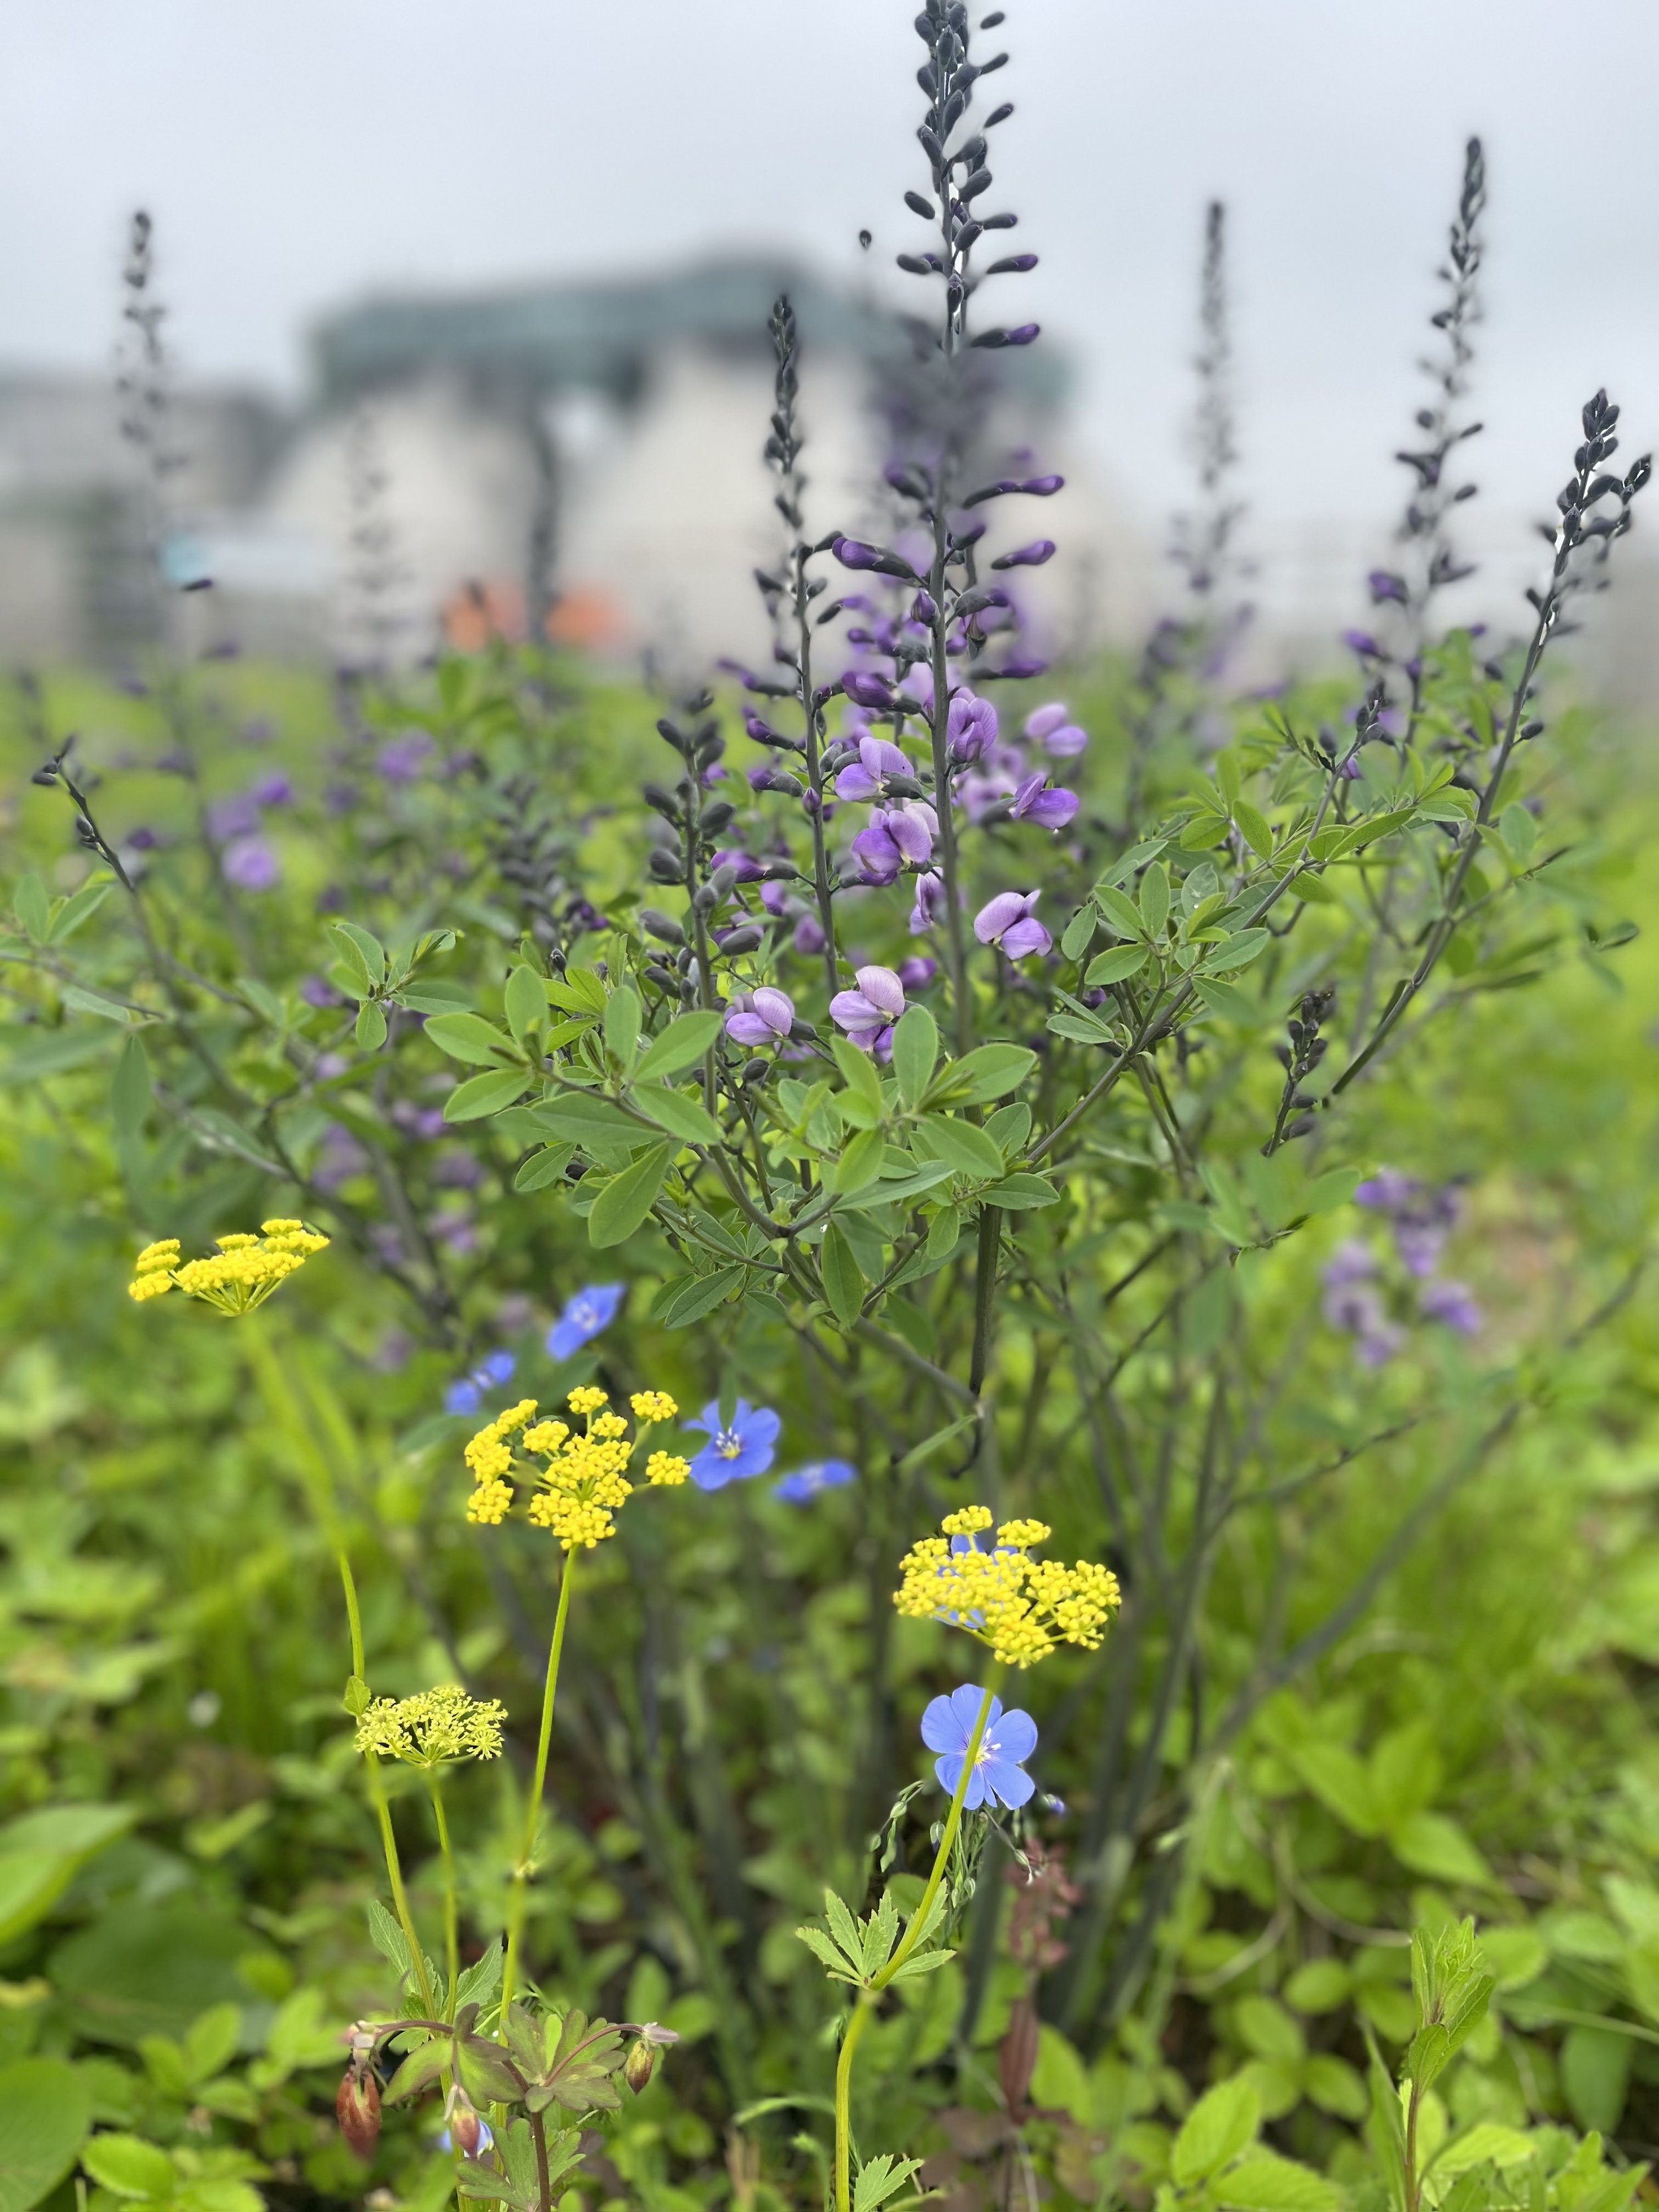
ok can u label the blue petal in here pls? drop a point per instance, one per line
(709, 1471)
(709, 1420)
(1010, 1783)
(1012, 1737)
(565, 1340)
(498, 1367)
(756, 1456)
(966, 1703)
(605, 1298)
(949, 1770)
(941, 1730)
(760, 1427)
(462, 1398)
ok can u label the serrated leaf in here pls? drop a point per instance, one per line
(1219, 2126)
(483, 1094)
(128, 2167)
(681, 1045)
(918, 1963)
(823, 1948)
(878, 2178)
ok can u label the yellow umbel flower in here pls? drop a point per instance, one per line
(582, 1479)
(1022, 1608)
(241, 1275)
(433, 1728)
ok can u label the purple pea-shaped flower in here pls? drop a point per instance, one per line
(762, 1016)
(1008, 919)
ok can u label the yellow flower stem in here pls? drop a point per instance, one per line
(911, 1937)
(517, 1898)
(452, 1935)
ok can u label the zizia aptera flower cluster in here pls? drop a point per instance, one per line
(582, 1479)
(1023, 1608)
(434, 1728)
(241, 1275)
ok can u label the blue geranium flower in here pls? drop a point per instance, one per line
(467, 1395)
(585, 1315)
(819, 1474)
(732, 1454)
(947, 1727)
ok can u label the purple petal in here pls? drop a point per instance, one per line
(1066, 742)
(744, 1026)
(856, 782)
(883, 989)
(1042, 721)
(776, 1008)
(1026, 938)
(998, 915)
(1053, 810)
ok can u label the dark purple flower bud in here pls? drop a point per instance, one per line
(1362, 642)
(745, 937)
(1008, 919)
(1043, 486)
(745, 868)
(1386, 587)
(141, 839)
(1012, 264)
(1017, 668)
(865, 689)
(853, 553)
(250, 864)
(1027, 556)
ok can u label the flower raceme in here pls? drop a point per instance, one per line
(434, 1729)
(582, 1479)
(1023, 1608)
(241, 1275)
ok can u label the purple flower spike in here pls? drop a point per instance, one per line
(1027, 556)
(970, 727)
(403, 759)
(866, 776)
(1008, 919)
(1010, 1738)
(250, 865)
(761, 1016)
(1035, 802)
(733, 1455)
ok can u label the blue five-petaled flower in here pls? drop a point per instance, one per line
(745, 1446)
(947, 1727)
(467, 1395)
(585, 1315)
(819, 1474)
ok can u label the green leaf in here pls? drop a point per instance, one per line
(94, 1002)
(1264, 2182)
(1433, 1844)
(1219, 2126)
(578, 1118)
(844, 1280)
(623, 1016)
(961, 1145)
(129, 2168)
(919, 1962)
(41, 1852)
(212, 2038)
(31, 906)
(878, 2178)
(46, 2111)
(1079, 933)
(861, 1162)
(1155, 900)
(479, 1982)
(681, 1045)
(915, 1052)
(1238, 951)
(1121, 913)
(84, 903)
(369, 1027)
(1253, 825)
(688, 1117)
(861, 1104)
(129, 1091)
(1229, 1001)
(989, 1072)
(422, 2068)
(363, 952)
(1016, 1193)
(1117, 965)
(483, 1094)
(525, 1002)
(688, 1297)
(626, 1200)
(544, 1167)
(470, 1038)
(1595, 2076)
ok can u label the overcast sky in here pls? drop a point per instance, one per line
(296, 153)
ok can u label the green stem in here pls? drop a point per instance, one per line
(395, 1876)
(907, 1943)
(451, 1933)
(519, 1897)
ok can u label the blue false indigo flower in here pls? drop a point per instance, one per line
(1454, 1303)
(235, 816)
(1035, 802)
(248, 863)
(584, 1316)
(947, 1727)
(467, 1395)
(1027, 556)
(812, 1480)
(747, 1448)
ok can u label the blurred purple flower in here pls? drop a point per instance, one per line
(1352, 1261)
(970, 727)
(760, 1017)
(1387, 1191)
(339, 1156)
(1385, 587)
(273, 790)
(457, 1170)
(250, 864)
(812, 1480)
(808, 936)
(1008, 919)
(1035, 802)
(868, 1013)
(238, 816)
(1453, 1304)
(402, 759)
(141, 839)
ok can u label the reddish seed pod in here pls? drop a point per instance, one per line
(465, 2128)
(639, 2065)
(357, 2106)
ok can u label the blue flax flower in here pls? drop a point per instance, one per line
(586, 1314)
(806, 1482)
(747, 1448)
(467, 1395)
(947, 1727)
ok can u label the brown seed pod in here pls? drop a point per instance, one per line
(357, 2104)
